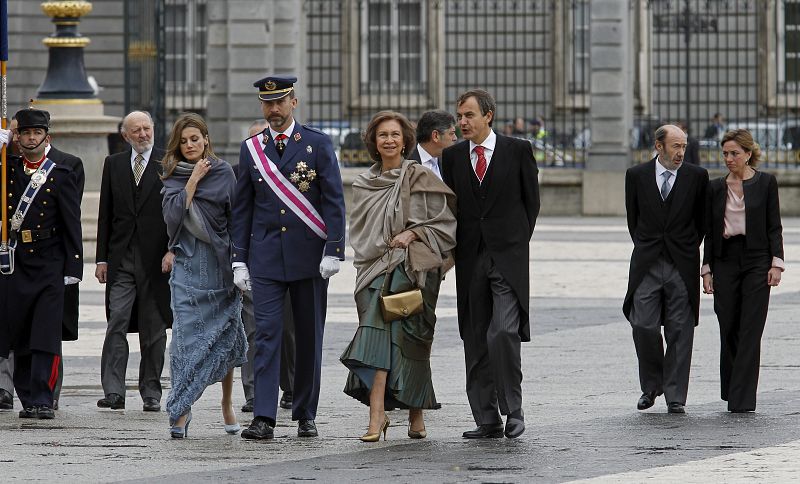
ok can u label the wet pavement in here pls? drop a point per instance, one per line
(580, 391)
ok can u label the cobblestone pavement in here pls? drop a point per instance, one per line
(580, 391)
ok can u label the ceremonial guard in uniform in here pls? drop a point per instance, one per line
(45, 233)
(288, 235)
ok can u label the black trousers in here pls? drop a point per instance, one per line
(35, 376)
(492, 345)
(741, 300)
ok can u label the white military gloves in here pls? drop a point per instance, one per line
(241, 276)
(329, 266)
(69, 280)
(5, 135)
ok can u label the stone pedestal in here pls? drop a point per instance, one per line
(77, 122)
(611, 108)
(79, 127)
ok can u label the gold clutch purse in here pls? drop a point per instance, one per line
(400, 305)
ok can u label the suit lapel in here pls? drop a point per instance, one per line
(124, 179)
(148, 181)
(497, 172)
(269, 147)
(677, 196)
(463, 174)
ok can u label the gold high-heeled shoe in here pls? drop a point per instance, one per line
(377, 436)
(417, 434)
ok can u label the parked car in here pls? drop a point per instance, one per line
(772, 134)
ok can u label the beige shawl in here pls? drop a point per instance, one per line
(385, 204)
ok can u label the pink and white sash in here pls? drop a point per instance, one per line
(285, 190)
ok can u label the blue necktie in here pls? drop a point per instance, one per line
(665, 186)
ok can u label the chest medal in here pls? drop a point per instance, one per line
(302, 176)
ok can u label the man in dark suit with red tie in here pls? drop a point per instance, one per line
(664, 200)
(134, 262)
(495, 180)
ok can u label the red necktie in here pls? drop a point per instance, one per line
(480, 166)
(279, 145)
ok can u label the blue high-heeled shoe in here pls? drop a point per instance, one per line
(181, 432)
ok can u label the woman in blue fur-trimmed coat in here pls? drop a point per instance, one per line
(208, 338)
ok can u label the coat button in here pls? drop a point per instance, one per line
(30, 251)
(283, 212)
(77, 256)
(338, 249)
(10, 207)
(41, 214)
(260, 180)
(283, 229)
(44, 203)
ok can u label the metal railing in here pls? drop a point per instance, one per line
(738, 58)
(165, 59)
(364, 56)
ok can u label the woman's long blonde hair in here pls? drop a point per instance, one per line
(173, 154)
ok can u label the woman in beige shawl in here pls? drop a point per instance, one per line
(402, 224)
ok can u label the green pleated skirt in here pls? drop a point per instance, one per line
(402, 348)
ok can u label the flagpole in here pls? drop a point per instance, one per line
(4, 122)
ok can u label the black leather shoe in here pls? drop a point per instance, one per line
(29, 412)
(259, 429)
(514, 427)
(113, 401)
(248, 406)
(307, 428)
(6, 400)
(150, 404)
(44, 412)
(286, 400)
(646, 400)
(486, 431)
(676, 407)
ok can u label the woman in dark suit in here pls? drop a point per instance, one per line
(743, 259)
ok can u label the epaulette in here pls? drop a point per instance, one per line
(257, 134)
(316, 130)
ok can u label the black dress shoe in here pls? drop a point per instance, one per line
(29, 412)
(286, 400)
(113, 401)
(44, 412)
(514, 427)
(486, 431)
(248, 406)
(646, 400)
(676, 407)
(6, 400)
(150, 404)
(260, 429)
(306, 428)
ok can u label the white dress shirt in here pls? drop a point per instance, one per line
(429, 161)
(488, 145)
(660, 169)
(288, 132)
(145, 158)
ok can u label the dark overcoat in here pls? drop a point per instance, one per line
(131, 214)
(32, 298)
(69, 332)
(499, 213)
(674, 227)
